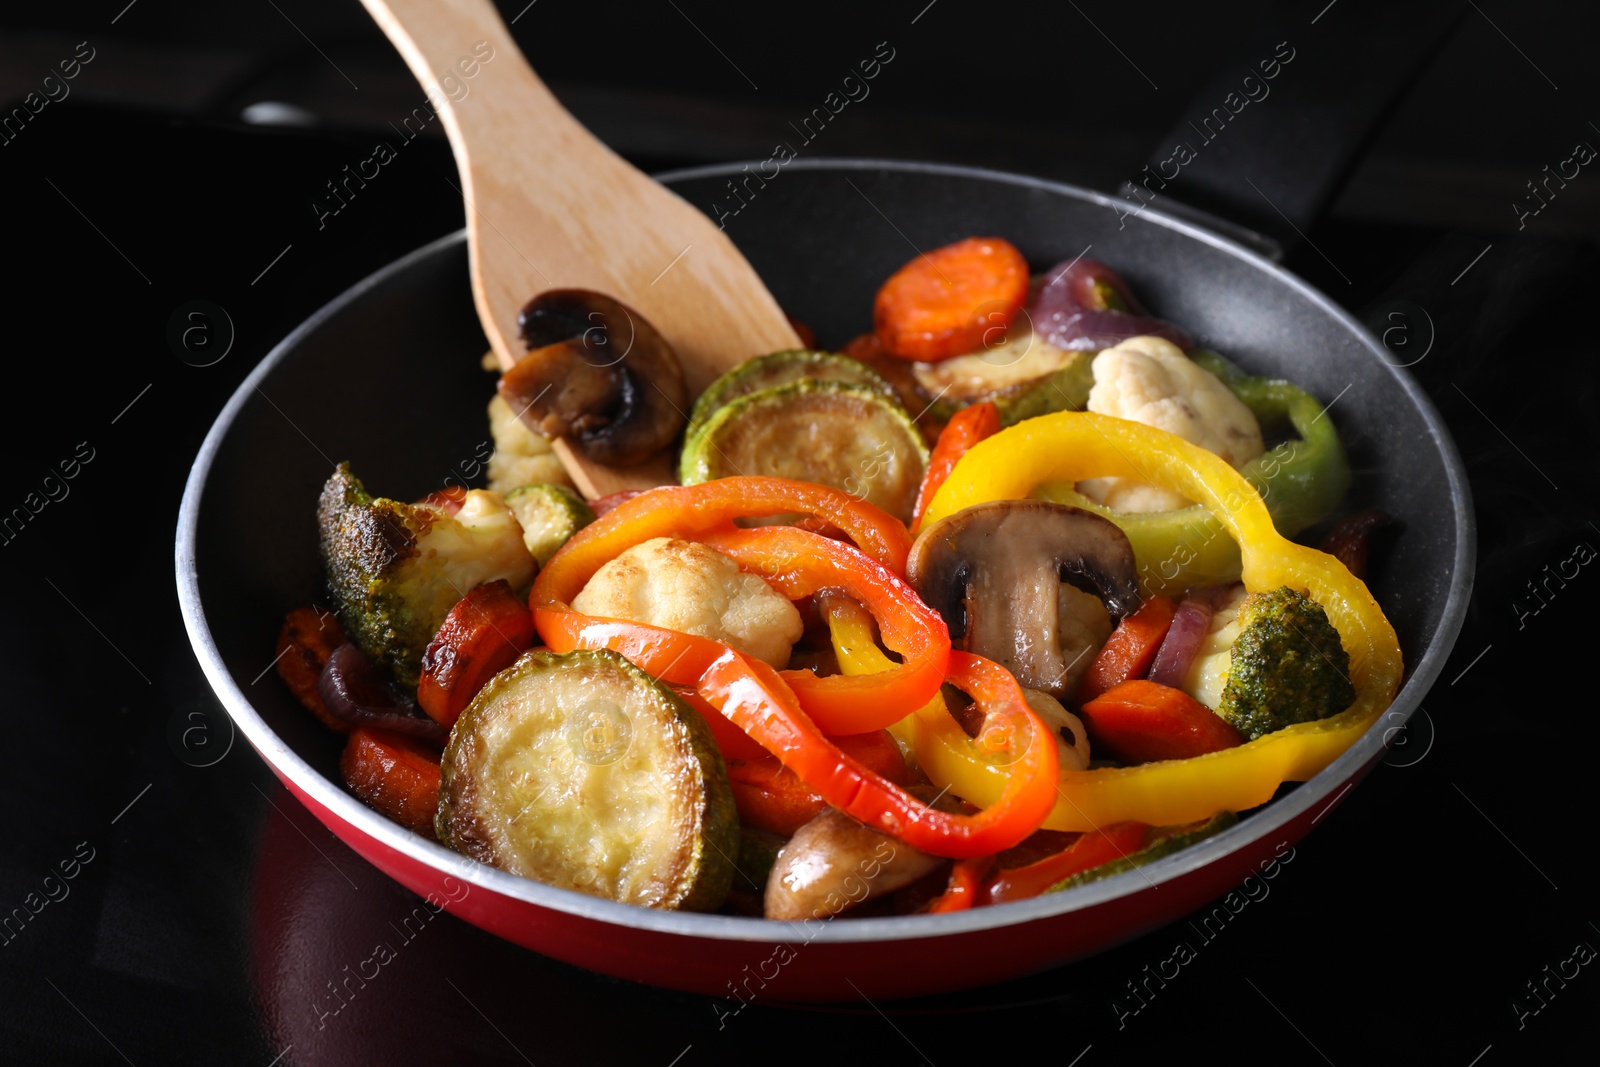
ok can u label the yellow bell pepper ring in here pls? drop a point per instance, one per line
(1070, 446)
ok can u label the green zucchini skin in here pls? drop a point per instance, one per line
(581, 771)
(832, 433)
(550, 514)
(781, 368)
(1165, 846)
(1066, 389)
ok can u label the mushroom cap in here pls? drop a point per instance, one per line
(597, 373)
(994, 571)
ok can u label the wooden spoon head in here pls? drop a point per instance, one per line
(663, 258)
(550, 207)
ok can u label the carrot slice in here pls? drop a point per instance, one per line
(306, 641)
(1091, 850)
(1130, 650)
(1140, 721)
(965, 429)
(483, 635)
(948, 302)
(771, 797)
(395, 775)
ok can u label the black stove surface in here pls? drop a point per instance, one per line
(164, 900)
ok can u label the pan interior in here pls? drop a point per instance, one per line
(389, 379)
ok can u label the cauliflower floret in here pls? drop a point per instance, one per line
(1150, 380)
(395, 569)
(521, 457)
(690, 587)
(1208, 672)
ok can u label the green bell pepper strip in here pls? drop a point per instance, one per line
(1301, 481)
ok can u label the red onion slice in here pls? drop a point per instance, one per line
(357, 692)
(1070, 310)
(1189, 628)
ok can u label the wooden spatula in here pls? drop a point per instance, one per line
(549, 206)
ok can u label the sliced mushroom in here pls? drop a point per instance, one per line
(1072, 740)
(833, 863)
(597, 373)
(995, 572)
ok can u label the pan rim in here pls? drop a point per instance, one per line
(289, 765)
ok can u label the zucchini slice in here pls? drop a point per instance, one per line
(1021, 361)
(1064, 389)
(550, 514)
(781, 368)
(583, 772)
(832, 433)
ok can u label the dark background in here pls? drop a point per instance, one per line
(1410, 922)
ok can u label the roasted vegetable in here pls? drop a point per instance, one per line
(1167, 841)
(549, 515)
(1076, 445)
(1006, 576)
(771, 797)
(965, 429)
(833, 863)
(1014, 362)
(395, 775)
(581, 771)
(598, 374)
(1287, 665)
(1300, 480)
(781, 368)
(1130, 650)
(1150, 380)
(1064, 389)
(1140, 721)
(846, 436)
(787, 714)
(521, 457)
(1086, 305)
(483, 635)
(1103, 845)
(694, 589)
(951, 300)
(359, 694)
(305, 643)
(395, 569)
(1350, 540)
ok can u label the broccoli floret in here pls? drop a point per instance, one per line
(1287, 665)
(395, 570)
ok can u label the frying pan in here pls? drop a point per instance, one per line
(386, 376)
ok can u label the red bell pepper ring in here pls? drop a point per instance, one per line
(1091, 850)
(966, 428)
(799, 564)
(968, 881)
(693, 511)
(754, 697)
